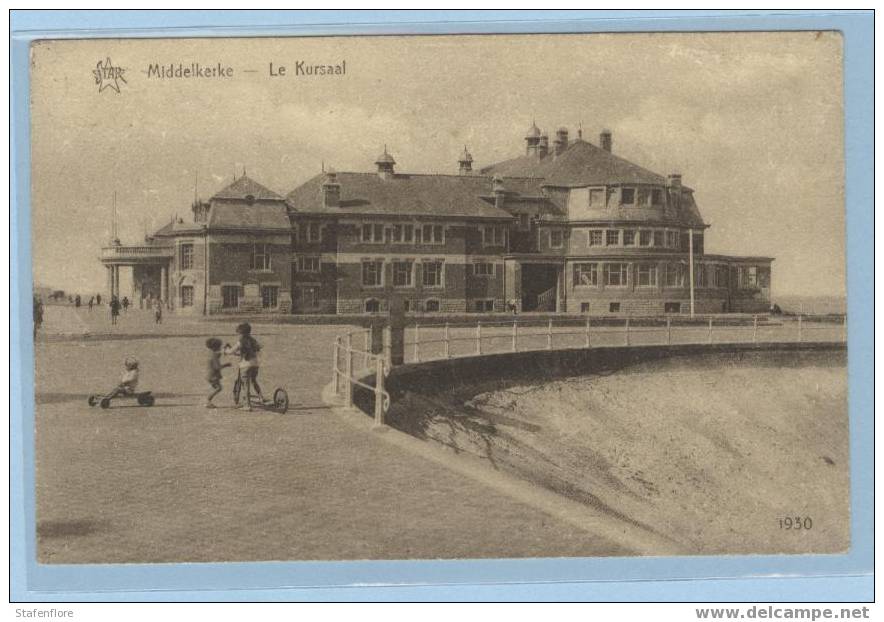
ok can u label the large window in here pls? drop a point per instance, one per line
(483, 269)
(260, 258)
(595, 237)
(627, 196)
(556, 238)
(494, 236)
(269, 296)
(612, 237)
(230, 296)
(672, 239)
(597, 197)
(586, 274)
(628, 237)
(308, 264)
(615, 274)
(432, 234)
(186, 256)
(673, 275)
(700, 279)
(402, 271)
(373, 233)
(372, 305)
(431, 274)
(659, 239)
(312, 232)
(644, 238)
(372, 273)
(187, 295)
(646, 275)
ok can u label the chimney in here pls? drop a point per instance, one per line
(331, 190)
(499, 192)
(606, 141)
(465, 164)
(561, 142)
(543, 146)
(385, 164)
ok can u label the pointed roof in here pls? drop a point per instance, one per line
(466, 156)
(580, 164)
(533, 131)
(385, 158)
(245, 187)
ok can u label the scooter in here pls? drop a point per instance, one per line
(280, 402)
(144, 398)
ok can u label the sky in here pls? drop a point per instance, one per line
(753, 122)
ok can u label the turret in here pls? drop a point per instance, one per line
(385, 164)
(465, 163)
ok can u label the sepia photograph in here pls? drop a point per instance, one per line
(439, 297)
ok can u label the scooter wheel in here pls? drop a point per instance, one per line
(104, 403)
(281, 400)
(92, 400)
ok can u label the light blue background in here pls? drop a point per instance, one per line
(822, 578)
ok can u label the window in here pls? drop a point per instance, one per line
(628, 237)
(659, 239)
(373, 233)
(432, 274)
(372, 306)
(308, 264)
(269, 296)
(524, 222)
(483, 269)
(586, 274)
(372, 273)
(700, 275)
(312, 232)
(556, 238)
(612, 237)
(646, 275)
(396, 233)
(595, 237)
(584, 307)
(719, 276)
(656, 196)
(484, 306)
(614, 307)
(230, 296)
(187, 295)
(402, 271)
(672, 239)
(408, 234)
(493, 236)
(260, 259)
(627, 196)
(615, 274)
(671, 307)
(597, 197)
(644, 238)
(673, 275)
(433, 234)
(186, 256)
(431, 306)
(751, 276)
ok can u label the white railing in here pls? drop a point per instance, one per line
(352, 365)
(445, 341)
(113, 252)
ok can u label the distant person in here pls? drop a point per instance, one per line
(38, 315)
(214, 368)
(91, 302)
(77, 301)
(125, 304)
(158, 311)
(114, 309)
(98, 299)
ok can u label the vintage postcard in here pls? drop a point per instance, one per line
(439, 297)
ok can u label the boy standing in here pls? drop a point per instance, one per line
(214, 368)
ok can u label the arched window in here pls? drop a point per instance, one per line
(372, 305)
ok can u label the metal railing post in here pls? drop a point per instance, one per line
(799, 328)
(417, 343)
(336, 376)
(515, 336)
(710, 330)
(588, 333)
(479, 337)
(447, 342)
(379, 391)
(388, 345)
(844, 329)
(754, 329)
(549, 335)
(367, 348)
(627, 331)
(348, 370)
(669, 331)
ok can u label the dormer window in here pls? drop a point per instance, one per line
(627, 196)
(596, 197)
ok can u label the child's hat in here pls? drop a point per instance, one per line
(131, 362)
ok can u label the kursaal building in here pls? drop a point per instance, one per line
(565, 227)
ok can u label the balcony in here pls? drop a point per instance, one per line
(119, 254)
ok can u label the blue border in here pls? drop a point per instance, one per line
(822, 578)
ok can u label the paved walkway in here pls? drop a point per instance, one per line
(178, 482)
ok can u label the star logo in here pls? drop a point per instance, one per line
(107, 76)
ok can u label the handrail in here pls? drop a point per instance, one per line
(372, 363)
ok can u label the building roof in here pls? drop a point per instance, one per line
(253, 217)
(580, 164)
(461, 196)
(245, 187)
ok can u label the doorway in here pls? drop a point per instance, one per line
(539, 286)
